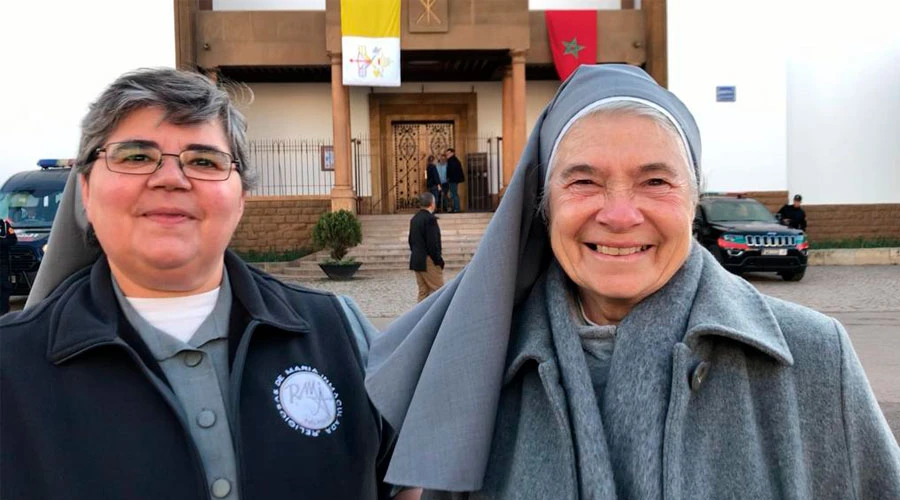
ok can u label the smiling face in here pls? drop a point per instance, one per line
(621, 203)
(163, 234)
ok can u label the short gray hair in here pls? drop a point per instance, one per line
(426, 200)
(629, 108)
(185, 97)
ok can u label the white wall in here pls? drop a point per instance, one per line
(57, 56)
(733, 43)
(289, 110)
(843, 118)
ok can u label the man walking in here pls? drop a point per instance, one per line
(792, 215)
(455, 176)
(425, 246)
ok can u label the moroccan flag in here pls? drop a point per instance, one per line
(370, 42)
(573, 39)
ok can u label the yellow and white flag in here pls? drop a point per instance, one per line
(370, 42)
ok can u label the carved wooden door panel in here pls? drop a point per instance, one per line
(412, 143)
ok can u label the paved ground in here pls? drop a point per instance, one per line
(866, 299)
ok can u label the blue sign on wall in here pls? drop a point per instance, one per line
(726, 94)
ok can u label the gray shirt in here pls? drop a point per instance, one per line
(598, 343)
(197, 371)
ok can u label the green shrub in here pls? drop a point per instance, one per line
(339, 232)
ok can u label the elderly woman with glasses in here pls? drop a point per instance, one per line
(591, 349)
(168, 368)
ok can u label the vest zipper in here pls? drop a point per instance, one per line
(237, 371)
(174, 405)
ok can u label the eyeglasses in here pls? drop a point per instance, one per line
(137, 158)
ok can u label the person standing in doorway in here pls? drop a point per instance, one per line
(7, 240)
(455, 177)
(425, 247)
(442, 200)
(792, 215)
(432, 178)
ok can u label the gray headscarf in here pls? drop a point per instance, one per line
(436, 372)
(69, 248)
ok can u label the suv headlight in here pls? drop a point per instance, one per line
(735, 238)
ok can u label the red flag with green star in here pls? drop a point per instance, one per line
(573, 39)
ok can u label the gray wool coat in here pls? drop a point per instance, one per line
(759, 399)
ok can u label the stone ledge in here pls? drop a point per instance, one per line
(855, 257)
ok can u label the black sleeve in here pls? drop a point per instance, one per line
(433, 241)
(802, 222)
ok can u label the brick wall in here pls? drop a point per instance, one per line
(840, 222)
(278, 223)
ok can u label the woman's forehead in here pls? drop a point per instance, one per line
(602, 138)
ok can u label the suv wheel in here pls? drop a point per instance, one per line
(792, 275)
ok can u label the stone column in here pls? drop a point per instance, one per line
(508, 143)
(518, 104)
(342, 195)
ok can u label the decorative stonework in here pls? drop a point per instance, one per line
(428, 16)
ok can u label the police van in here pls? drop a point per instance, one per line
(29, 201)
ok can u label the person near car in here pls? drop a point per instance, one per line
(8, 238)
(455, 177)
(792, 215)
(432, 178)
(425, 248)
(169, 368)
(592, 349)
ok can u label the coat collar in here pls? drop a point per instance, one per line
(87, 314)
(723, 305)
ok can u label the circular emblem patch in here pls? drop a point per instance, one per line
(306, 401)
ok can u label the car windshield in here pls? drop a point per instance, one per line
(30, 208)
(737, 211)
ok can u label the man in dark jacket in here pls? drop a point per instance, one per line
(425, 246)
(455, 177)
(792, 215)
(7, 240)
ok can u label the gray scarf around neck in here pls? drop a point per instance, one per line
(618, 448)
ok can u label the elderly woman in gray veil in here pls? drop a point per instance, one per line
(592, 349)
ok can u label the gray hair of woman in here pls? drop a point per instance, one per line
(186, 98)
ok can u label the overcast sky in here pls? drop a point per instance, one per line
(57, 55)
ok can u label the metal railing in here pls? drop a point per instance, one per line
(287, 167)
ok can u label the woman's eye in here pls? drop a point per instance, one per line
(657, 182)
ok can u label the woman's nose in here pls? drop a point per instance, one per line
(619, 212)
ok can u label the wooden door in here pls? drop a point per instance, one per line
(412, 143)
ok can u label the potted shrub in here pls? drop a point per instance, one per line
(339, 232)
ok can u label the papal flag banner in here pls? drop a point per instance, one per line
(370, 42)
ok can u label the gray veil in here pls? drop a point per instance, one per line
(69, 248)
(435, 374)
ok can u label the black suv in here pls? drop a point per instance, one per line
(29, 200)
(745, 237)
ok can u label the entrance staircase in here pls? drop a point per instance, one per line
(385, 247)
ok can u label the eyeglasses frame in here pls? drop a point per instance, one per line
(162, 157)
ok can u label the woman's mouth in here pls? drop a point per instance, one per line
(617, 251)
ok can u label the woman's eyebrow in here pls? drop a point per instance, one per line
(579, 168)
(658, 168)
